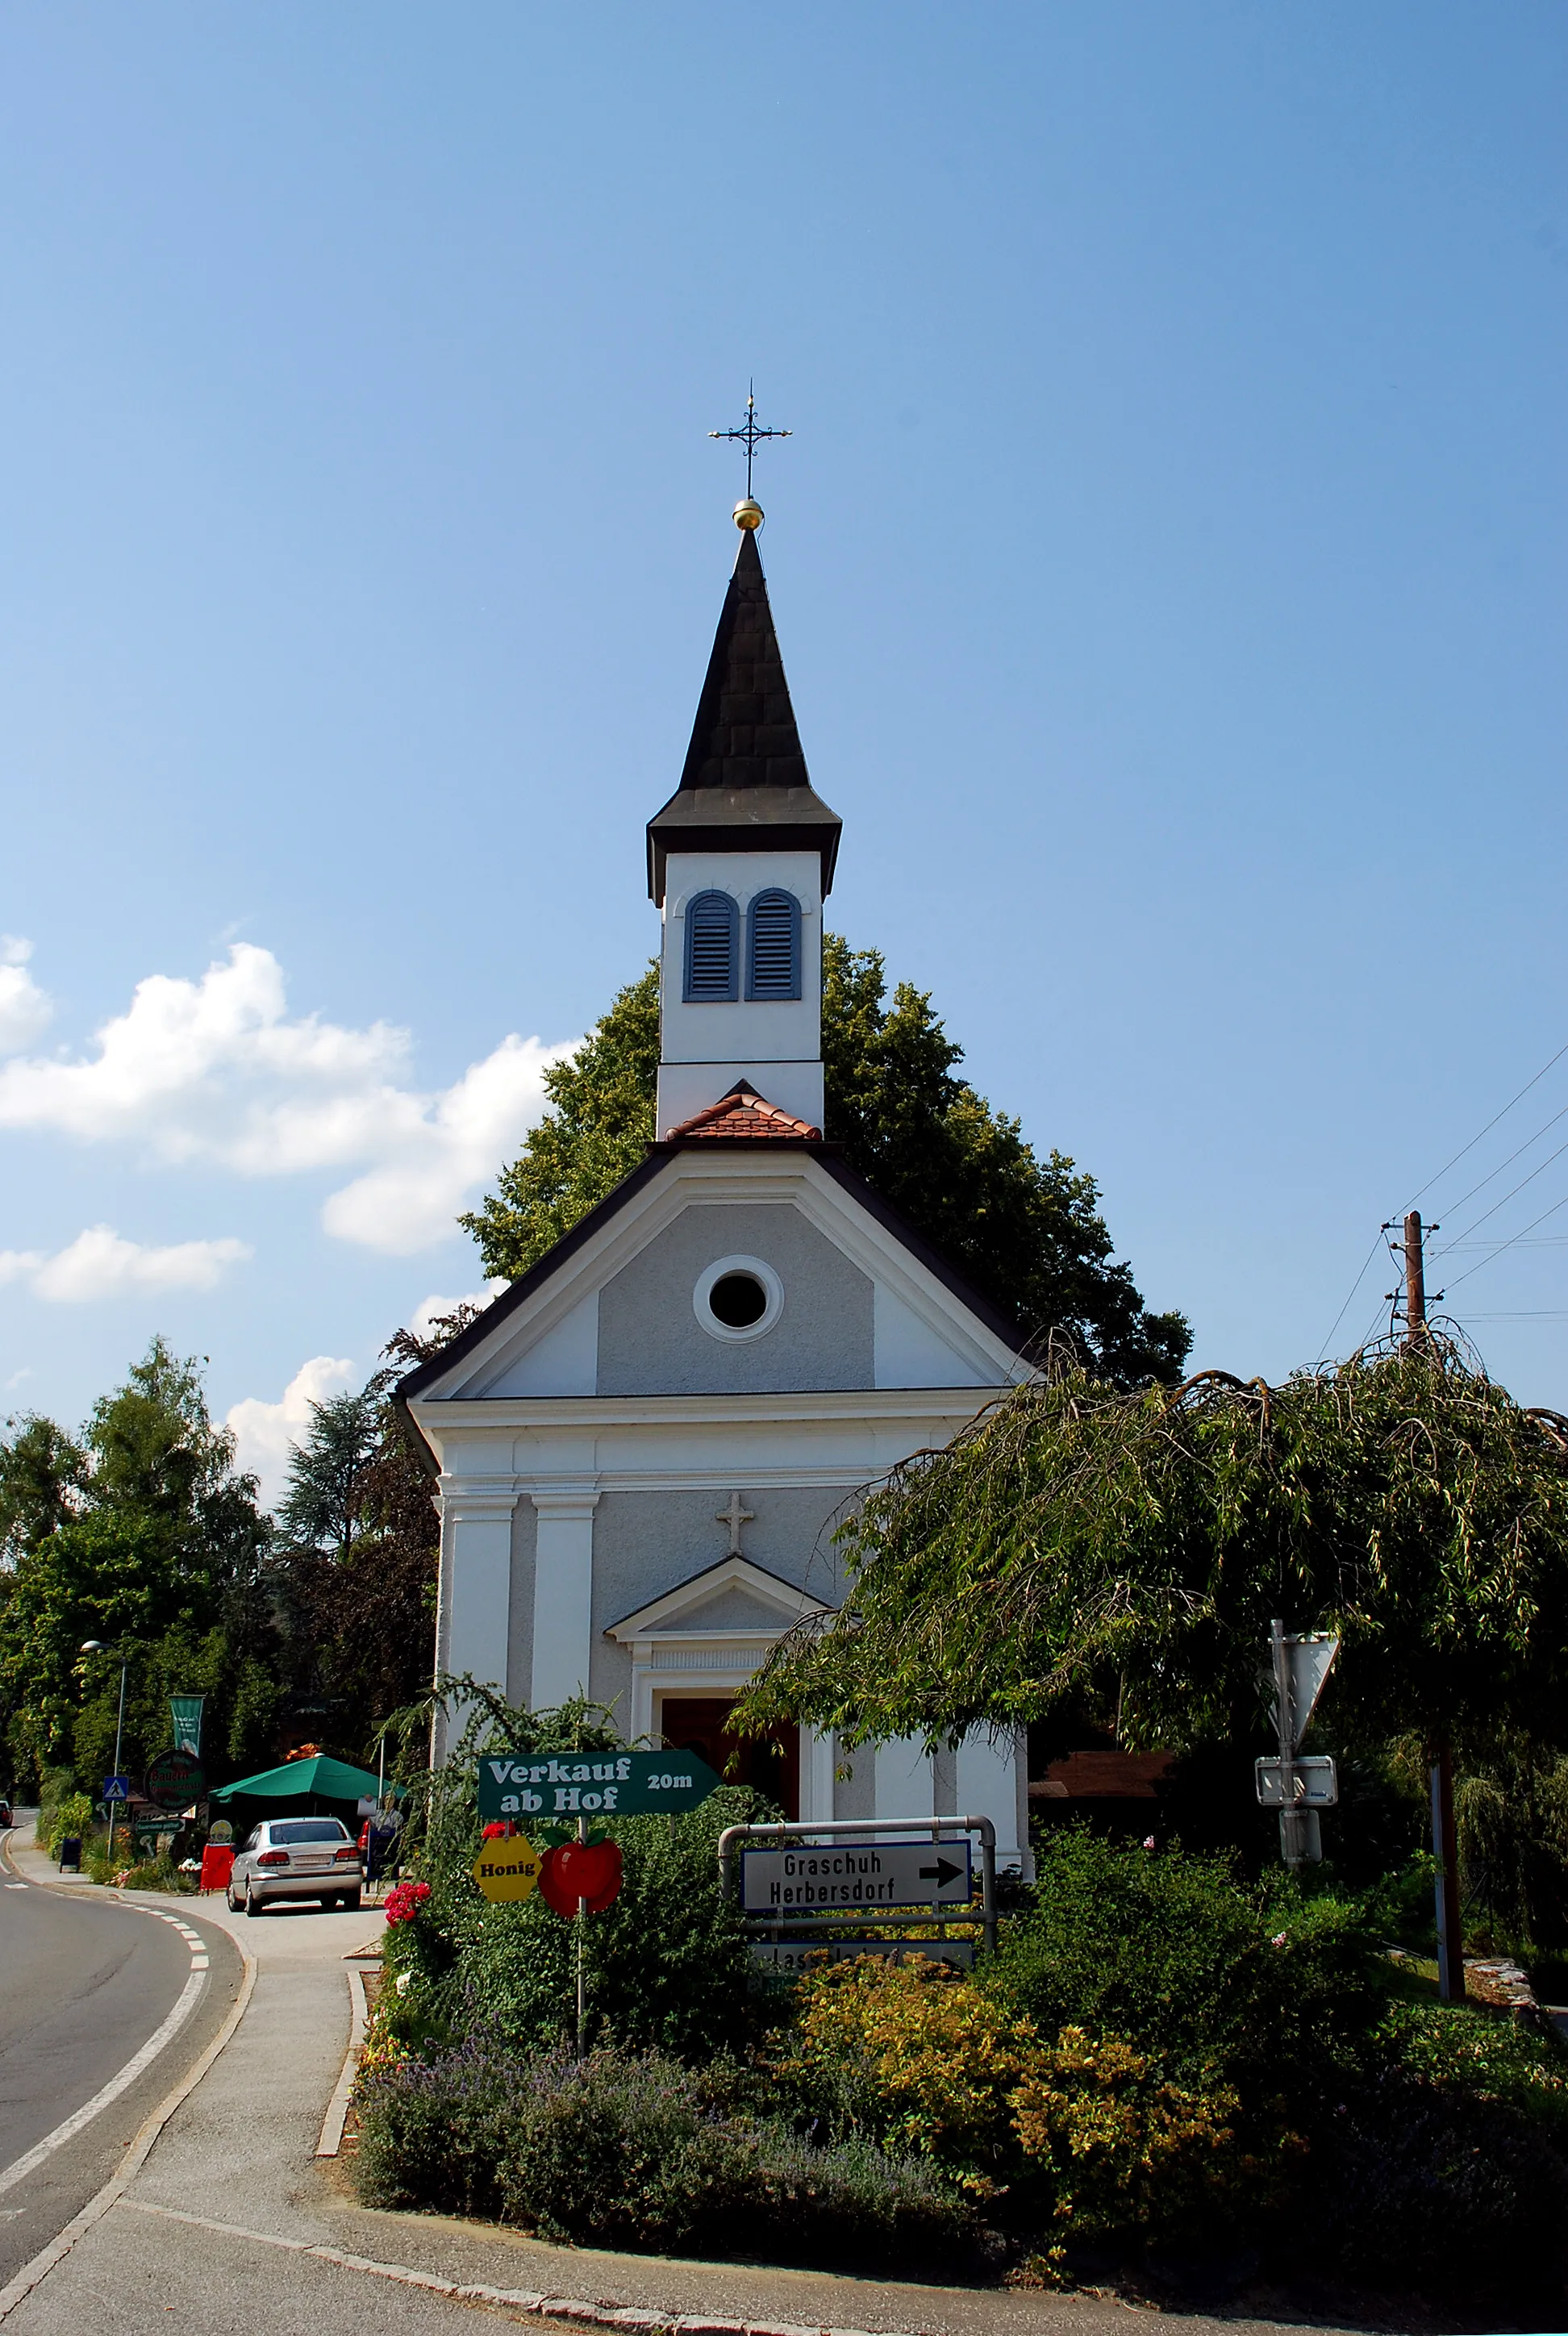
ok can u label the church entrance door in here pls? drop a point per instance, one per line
(769, 1764)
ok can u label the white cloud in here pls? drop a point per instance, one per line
(263, 1432)
(99, 1264)
(24, 1008)
(216, 1070)
(433, 1309)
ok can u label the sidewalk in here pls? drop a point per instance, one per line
(232, 2223)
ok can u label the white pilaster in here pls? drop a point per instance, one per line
(476, 1571)
(816, 1776)
(473, 1591)
(988, 1786)
(562, 1592)
(905, 1782)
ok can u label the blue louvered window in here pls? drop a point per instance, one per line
(772, 960)
(712, 949)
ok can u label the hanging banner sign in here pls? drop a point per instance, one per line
(521, 1785)
(185, 1714)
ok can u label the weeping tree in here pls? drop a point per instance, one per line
(1080, 1549)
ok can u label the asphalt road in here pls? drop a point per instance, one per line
(85, 1982)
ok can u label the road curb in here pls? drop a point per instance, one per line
(32, 2273)
(532, 2302)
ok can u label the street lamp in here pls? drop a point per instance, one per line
(98, 1646)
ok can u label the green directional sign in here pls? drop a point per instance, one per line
(545, 1785)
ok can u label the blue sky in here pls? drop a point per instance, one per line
(1169, 564)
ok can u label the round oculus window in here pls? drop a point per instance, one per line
(737, 1300)
(737, 1297)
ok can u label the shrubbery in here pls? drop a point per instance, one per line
(1266, 1988)
(1158, 2055)
(624, 2150)
(69, 1817)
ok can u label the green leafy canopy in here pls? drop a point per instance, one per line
(1079, 1547)
(1027, 1232)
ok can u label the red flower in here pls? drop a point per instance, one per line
(405, 1901)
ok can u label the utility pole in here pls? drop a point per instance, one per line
(1444, 1834)
(1415, 1282)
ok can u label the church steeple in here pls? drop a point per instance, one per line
(745, 786)
(739, 861)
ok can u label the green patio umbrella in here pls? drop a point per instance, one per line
(316, 1787)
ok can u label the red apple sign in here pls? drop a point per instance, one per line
(590, 1870)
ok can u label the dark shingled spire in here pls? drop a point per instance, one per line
(745, 786)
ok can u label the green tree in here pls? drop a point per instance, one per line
(142, 1535)
(42, 1479)
(322, 1507)
(1083, 1549)
(354, 1579)
(1027, 1231)
(110, 1573)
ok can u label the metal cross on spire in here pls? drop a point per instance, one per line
(750, 433)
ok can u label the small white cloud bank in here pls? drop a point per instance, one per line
(25, 1009)
(435, 1310)
(218, 1070)
(100, 1264)
(265, 1431)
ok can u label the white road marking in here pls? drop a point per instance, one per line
(33, 2274)
(21, 2167)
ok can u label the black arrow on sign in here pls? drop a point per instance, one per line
(941, 1872)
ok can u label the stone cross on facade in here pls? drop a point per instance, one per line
(734, 1516)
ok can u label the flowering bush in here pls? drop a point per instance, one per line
(405, 1901)
(1090, 2133)
(636, 2151)
(1124, 2149)
(928, 2058)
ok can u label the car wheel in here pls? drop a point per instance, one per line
(329, 1904)
(350, 1899)
(252, 1902)
(233, 1903)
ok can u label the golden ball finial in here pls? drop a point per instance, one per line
(748, 515)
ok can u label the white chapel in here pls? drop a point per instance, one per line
(645, 1442)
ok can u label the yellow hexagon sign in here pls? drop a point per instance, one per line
(506, 1871)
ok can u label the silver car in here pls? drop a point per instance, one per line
(296, 1857)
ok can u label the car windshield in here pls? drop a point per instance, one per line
(307, 1829)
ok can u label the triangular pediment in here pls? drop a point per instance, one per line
(547, 1337)
(735, 1595)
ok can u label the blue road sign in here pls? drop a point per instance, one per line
(117, 1788)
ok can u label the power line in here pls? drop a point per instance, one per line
(1513, 1238)
(1491, 1124)
(1349, 1294)
(1523, 1148)
(1503, 1204)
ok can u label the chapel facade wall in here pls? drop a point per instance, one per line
(650, 1342)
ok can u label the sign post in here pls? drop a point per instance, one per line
(1298, 1788)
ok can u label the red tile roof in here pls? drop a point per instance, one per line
(743, 1113)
